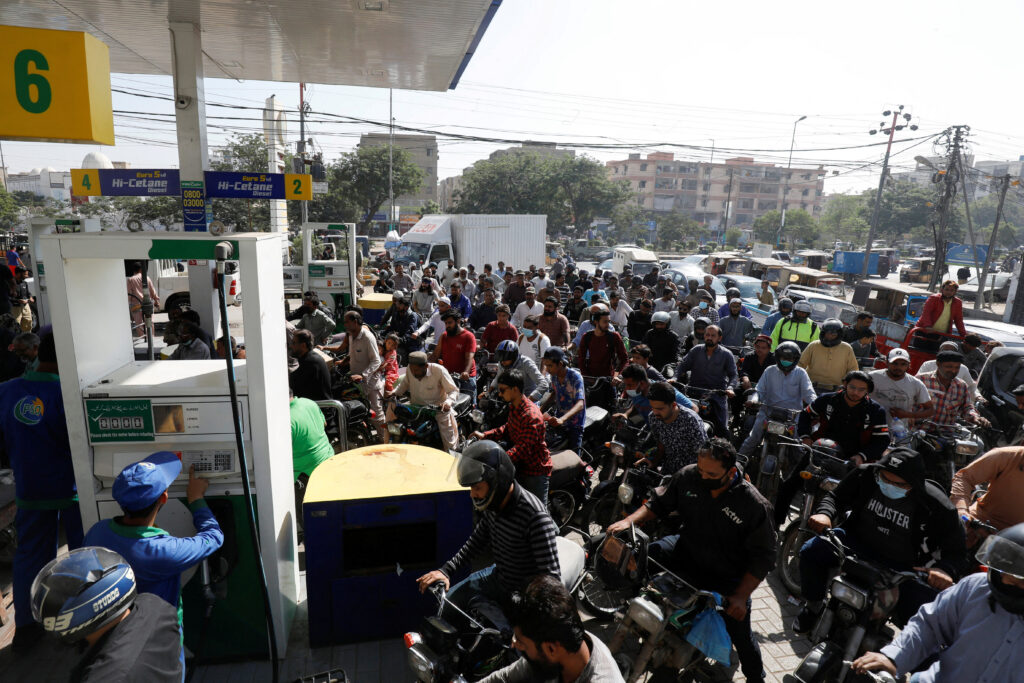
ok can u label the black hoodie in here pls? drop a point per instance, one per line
(905, 532)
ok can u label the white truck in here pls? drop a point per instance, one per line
(476, 239)
(640, 261)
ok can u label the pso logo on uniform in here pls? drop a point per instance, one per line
(29, 410)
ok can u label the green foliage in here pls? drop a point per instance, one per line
(36, 205)
(568, 190)
(904, 206)
(337, 206)
(800, 227)
(430, 207)
(9, 211)
(845, 219)
(675, 228)
(243, 152)
(732, 236)
(362, 179)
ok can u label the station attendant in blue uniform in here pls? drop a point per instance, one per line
(35, 436)
(156, 557)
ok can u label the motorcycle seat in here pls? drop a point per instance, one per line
(594, 414)
(564, 466)
(462, 403)
(355, 410)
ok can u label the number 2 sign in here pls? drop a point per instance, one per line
(55, 85)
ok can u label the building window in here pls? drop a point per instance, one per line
(744, 219)
(769, 189)
(703, 202)
(748, 187)
(803, 205)
(707, 186)
(642, 184)
(429, 151)
(806, 176)
(746, 203)
(804, 192)
(643, 167)
(817, 193)
(690, 184)
(764, 205)
(707, 170)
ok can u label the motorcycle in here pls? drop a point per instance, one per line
(768, 463)
(490, 411)
(853, 622)
(823, 473)
(701, 399)
(945, 449)
(418, 425)
(461, 646)
(661, 615)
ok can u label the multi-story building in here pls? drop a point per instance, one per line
(44, 182)
(734, 192)
(422, 149)
(988, 175)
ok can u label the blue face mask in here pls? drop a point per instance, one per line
(890, 491)
(786, 363)
(529, 333)
(703, 304)
(632, 392)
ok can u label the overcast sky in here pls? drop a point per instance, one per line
(644, 72)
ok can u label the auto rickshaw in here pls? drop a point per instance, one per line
(717, 262)
(766, 269)
(812, 258)
(896, 308)
(818, 279)
(917, 270)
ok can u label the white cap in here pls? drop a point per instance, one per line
(899, 354)
(446, 300)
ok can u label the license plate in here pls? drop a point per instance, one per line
(777, 427)
(394, 429)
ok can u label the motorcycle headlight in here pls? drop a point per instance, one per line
(492, 368)
(829, 484)
(849, 594)
(777, 428)
(966, 448)
(646, 614)
(394, 429)
(625, 494)
(617, 449)
(477, 416)
(422, 661)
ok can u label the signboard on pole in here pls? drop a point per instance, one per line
(193, 206)
(125, 182)
(960, 254)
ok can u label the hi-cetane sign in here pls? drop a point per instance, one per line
(55, 86)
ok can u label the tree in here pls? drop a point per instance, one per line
(800, 226)
(844, 219)
(363, 178)
(732, 236)
(905, 206)
(676, 227)
(10, 214)
(243, 152)
(568, 190)
(430, 207)
(629, 221)
(337, 206)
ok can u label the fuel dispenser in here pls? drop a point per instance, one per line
(50, 226)
(337, 276)
(120, 410)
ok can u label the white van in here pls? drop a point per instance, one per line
(641, 261)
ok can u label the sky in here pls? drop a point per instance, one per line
(648, 74)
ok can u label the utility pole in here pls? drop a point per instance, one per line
(891, 130)
(391, 151)
(785, 192)
(1004, 185)
(949, 180)
(304, 206)
(728, 205)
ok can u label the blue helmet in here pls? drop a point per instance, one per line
(506, 350)
(82, 592)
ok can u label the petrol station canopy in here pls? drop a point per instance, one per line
(407, 44)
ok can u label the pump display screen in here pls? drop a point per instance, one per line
(169, 419)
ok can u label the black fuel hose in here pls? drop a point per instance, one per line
(223, 252)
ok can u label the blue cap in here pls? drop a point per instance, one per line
(555, 354)
(140, 484)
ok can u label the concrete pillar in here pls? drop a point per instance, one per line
(193, 157)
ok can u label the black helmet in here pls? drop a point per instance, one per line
(82, 592)
(787, 351)
(733, 293)
(785, 304)
(1003, 553)
(486, 461)
(506, 350)
(702, 322)
(831, 326)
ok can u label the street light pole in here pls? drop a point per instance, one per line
(893, 127)
(785, 191)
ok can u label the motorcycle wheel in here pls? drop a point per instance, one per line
(598, 599)
(561, 506)
(602, 514)
(787, 561)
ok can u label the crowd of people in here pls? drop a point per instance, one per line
(548, 330)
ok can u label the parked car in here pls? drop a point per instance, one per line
(998, 286)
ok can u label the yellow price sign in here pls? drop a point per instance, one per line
(55, 85)
(85, 182)
(298, 186)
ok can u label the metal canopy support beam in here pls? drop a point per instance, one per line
(193, 159)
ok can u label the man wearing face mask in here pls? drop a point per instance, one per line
(725, 543)
(532, 342)
(736, 329)
(638, 385)
(784, 309)
(798, 327)
(894, 512)
(663, 342)
(705, 307)
(553, 324)
(971, 632)
(783, 385)
(535, 382)
(513, 525)
(575, 306)
(711, 367)
(638, 323)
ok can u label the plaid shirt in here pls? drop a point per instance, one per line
(525, 429)
(952, 404)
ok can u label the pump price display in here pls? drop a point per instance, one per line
(118, 420)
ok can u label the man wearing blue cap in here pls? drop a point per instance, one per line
(156, 557)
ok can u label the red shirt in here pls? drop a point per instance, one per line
(493, 335)
(525, 429)
(390, 367)
(453, 352)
